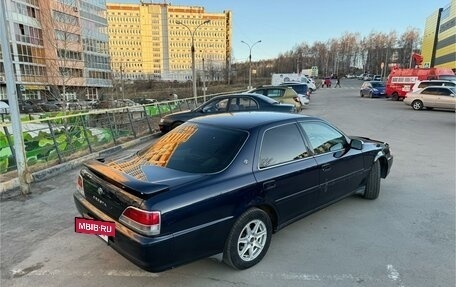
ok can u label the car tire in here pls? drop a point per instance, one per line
(373, 182)
(417, 105)
(244, 248)
(395, 96)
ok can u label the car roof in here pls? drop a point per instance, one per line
(293, 83)
(439, 87)
(251, 94)
(270, 87)
(435, 80)
(3, 104)
(247, 120)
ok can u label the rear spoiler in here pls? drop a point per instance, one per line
(122, 180)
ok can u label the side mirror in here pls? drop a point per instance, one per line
(356, 144)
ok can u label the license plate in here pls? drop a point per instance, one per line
(103, 237)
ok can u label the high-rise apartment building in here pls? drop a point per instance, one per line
(151, 40)
(59, 48)
(439, 39)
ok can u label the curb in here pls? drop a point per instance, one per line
(66, 166)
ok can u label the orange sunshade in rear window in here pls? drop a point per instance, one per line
(158, 154)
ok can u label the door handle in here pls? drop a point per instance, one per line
(269, 185)
(326, 167)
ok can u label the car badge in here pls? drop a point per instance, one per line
(100, 191)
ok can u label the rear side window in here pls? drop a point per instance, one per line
(247, 104)
(275, 93)
(445, 92)
(423, 85)
(281, 145)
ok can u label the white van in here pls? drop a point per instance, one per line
(425, 83)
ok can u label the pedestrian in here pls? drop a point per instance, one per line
(322, 83)
(338, 82)
(328, 82)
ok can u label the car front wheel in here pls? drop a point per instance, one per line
(395, 96)
(373, 182)
(248, 240)
(417, 105)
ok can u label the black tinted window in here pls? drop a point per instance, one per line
(431, 91)
(275, 93)
(282, 144)
(247, 104)
(216, 106)
(445, 92)
(323, 138)
(300, 89)
(195, 148)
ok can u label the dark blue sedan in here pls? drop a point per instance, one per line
(373, 89)
(230, 103)
(225, 183)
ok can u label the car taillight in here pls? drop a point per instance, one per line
(145, 222)
(80, 185)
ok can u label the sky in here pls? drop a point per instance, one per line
(283, 25)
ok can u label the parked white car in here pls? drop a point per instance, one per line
(426, 83)
(4, 108)
(311, 84)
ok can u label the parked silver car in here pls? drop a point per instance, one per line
(439, 97)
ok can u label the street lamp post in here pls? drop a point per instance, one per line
(192, 33)
(250, 61)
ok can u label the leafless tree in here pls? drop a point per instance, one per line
(408, 42)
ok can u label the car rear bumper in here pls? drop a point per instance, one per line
(150, 253)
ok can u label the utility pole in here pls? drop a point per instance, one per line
(19, 151)
(250, 61)
(204, 83)
(122, 82)
(192, 33)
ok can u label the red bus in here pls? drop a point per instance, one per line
(400, 81)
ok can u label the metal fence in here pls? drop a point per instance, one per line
(54, 138)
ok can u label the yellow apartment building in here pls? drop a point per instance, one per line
(439, 39)
(152, 40)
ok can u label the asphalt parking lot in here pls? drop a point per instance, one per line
(404, 238)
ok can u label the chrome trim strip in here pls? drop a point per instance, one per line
(191, 229)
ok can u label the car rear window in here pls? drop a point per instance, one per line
(195, 148)
(378, 85)
(300, 89)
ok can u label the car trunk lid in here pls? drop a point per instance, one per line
(112, 190)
